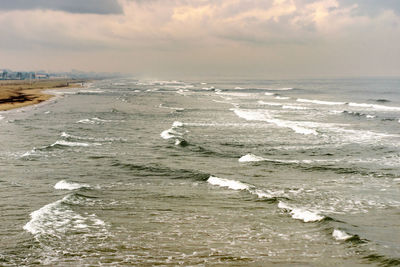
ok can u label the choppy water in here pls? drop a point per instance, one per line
(229, 172)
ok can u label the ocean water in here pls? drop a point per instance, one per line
(202, 173)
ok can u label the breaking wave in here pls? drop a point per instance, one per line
(58, 218)
(301, 213)
(64, 185)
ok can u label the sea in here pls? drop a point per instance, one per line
(206, 172)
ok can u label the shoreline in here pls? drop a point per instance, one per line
(21, 93)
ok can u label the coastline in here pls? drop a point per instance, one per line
(21, 93)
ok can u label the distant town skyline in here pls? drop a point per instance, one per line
(178, 38)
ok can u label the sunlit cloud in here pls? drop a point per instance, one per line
(287, 33)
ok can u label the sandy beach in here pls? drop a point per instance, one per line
(16, 93)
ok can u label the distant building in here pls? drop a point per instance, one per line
(41, 76)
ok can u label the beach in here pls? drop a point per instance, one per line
(21, 93)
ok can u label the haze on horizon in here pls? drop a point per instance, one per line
(271, 38)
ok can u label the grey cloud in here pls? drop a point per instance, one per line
(72, 6)
(373, 7)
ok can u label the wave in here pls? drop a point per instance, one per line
(381, 100)
(269, 103)
(251, 158)
(175, 132)
(172, 108)
(231, 184)
(1, 117)
(372, 106)
(351, 104)
(157, 170)
(276, 89)
(301, 213)
(282, 97)
(64, 185)
(240, 186)
(358, 114)
(319, 102)
(73, 144)
(94, 120)
(340, 235)
(263, 116)
(106, 139)
(90, 92)
(294, 107)
(57, 218)
(295, 126)
(251, 115)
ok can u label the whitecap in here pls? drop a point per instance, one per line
(167, 134)
(251, 158)
(251, 115)
(29, 153)
(294, 107)
(73, 144)
(237, 185)
(1, 117)
(268, 103)
(57, 218)
(276, 89)
(319, 102)
(297, 127)
(294, 126)
(282, 97)
(172, 133)
(90, 92)
(372, 106)
(300, 213)
(105, 139)
(231, 184)
(340, 235)
(64, 185)
(94, 120)
(172, 108)
(177, 124)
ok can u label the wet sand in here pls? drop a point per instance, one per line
(17, 94)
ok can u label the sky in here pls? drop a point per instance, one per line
(254, 38)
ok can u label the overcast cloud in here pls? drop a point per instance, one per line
(72, 6)
(274, 38)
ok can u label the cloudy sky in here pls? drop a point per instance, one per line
(267, 38)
